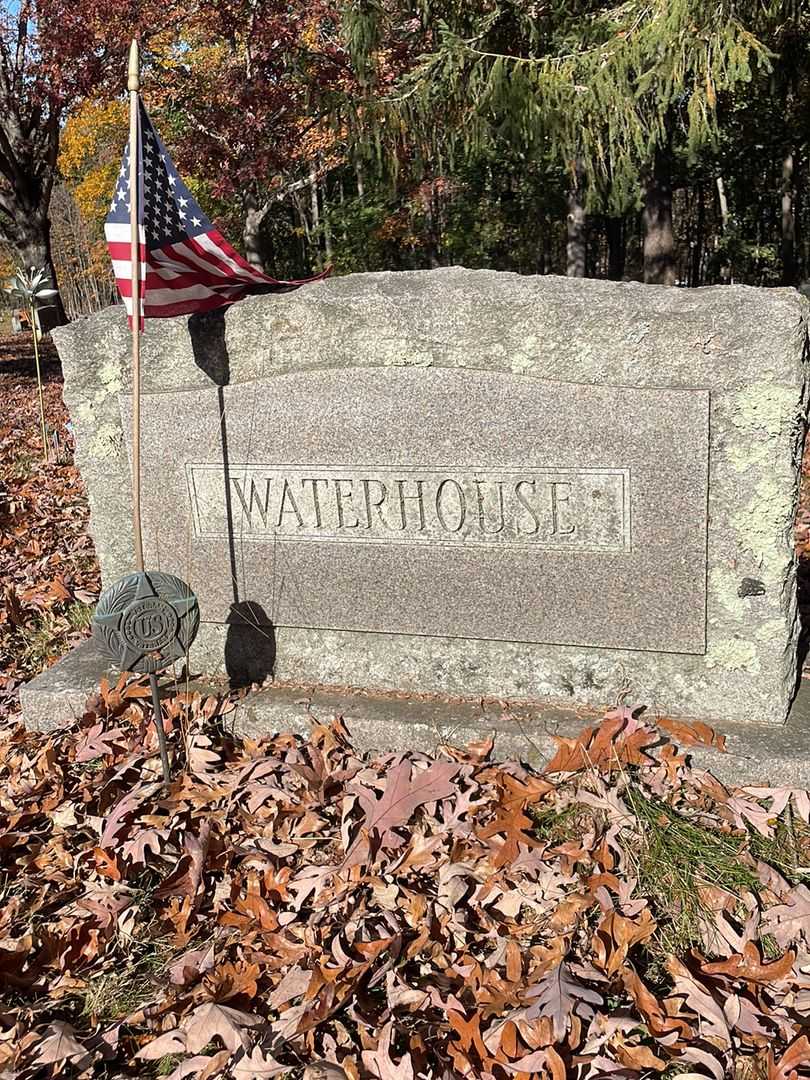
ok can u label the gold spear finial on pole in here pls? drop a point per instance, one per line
(133, 84)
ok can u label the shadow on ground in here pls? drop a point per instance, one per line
(17, 357)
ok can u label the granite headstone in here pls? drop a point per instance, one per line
(469, 483)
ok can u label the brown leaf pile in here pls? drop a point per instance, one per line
(289, 901)
(48, 568)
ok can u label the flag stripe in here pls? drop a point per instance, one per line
(159, 296)
(187, 255)
(181, 307)
(158, 276)
(217, 245)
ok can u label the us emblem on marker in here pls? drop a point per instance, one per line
(146, 621)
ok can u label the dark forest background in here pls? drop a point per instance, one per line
(664, 141)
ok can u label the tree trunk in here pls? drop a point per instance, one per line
(431, 230)
(29, 148)
(542, 246)
(252, 232)
(697, 242)
(788, 221)
(723, 199)
(327, 228)
(303, 222)
(726, 269)
(576, 226)
(313, 199)
(32, 245)
(361, 187)
(304, 232)
(659, 238)
(616, 248)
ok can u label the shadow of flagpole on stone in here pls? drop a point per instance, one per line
(250, 642)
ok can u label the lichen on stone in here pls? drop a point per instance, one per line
(733, 654)
(764, 406)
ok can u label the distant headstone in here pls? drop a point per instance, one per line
(469, 482)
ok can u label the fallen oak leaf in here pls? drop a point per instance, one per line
(294, 984)
(616, 935)
(638, 1056)
(692, 732)
(539, 1060)
(170, 1042)
(477, 751)
(232, 979)
(115, 821)
(789, 921)
(750, 967)
(380, 1063)
(185, 879)
(469, 1033)
(191, 965)
(106, 1042)
(323, 1070)
(744, 809)
(98, 742)
(107, 864)
(108, 904)
(511, 825)
(534, 1062)
(557, 995)
(256, 1065)
(565, 915)
(666, 1029)
(57, 589)
(211, 1021)
(136, 848)
(406, 788)
(59, 1044)
(711, 1020)
(135, 689)
(202, 761)
(786, 1068)
(618, 740)
(13, 608)
(200, 1066)
(691, 1076)
(780, 797)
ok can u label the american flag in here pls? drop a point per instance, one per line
(186, 265)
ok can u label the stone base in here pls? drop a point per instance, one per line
(58, 694)
(757, 754)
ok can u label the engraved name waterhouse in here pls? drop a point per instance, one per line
(585, 509)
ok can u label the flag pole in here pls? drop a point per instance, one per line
(144, 622)
(133, 85)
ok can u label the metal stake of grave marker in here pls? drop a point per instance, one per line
(148, 619)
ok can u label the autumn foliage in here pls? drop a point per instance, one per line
(289, 901)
